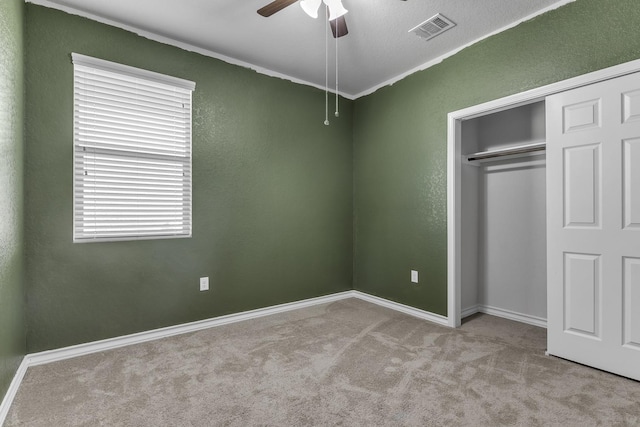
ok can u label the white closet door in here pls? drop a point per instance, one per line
(593, 225)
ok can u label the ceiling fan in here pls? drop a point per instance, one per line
(311, 7)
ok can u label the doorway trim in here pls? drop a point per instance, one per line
(454, 165)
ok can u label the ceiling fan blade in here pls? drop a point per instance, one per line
(339, 27)
(275, 6)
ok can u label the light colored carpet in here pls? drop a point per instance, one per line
(347, 363)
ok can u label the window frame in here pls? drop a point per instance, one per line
(154, 78)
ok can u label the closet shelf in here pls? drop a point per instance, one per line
(510, 152)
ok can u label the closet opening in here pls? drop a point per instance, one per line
(498, 203)
(503, 214)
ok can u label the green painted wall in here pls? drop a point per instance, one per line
(284, 207)
(272, 196)
(400, 135)
(12, 317)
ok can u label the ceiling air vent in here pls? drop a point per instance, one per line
(433, 26)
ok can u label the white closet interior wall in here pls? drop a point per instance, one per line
(504, 217)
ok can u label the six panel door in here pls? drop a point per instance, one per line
(593, 225)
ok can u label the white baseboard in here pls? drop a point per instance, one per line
(13, 389)
(50, 356)
(466, 312)
(412, 311)
(507, 314)
(154, 334)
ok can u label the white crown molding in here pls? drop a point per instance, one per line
(182, 45)
(449, 54)
(261, 70)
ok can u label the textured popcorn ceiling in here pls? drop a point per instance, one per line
(377, 51)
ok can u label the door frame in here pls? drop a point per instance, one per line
(454, 165)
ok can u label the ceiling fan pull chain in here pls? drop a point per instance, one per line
(337, 93)
(326, 68)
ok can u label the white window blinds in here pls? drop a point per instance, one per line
(132, 153)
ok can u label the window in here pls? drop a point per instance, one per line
(132, 153)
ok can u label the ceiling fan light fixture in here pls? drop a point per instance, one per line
(311, 7)
(336, 9)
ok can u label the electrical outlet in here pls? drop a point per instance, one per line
(204, 283)
(414, 276)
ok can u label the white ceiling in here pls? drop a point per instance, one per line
(377, 51)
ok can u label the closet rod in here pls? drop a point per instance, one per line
(521, 149)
